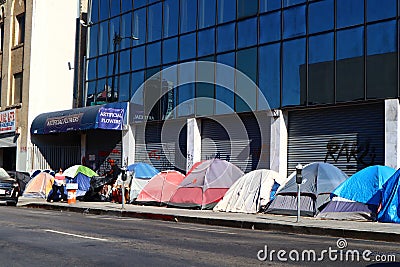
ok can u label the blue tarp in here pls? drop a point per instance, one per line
(390, 211)
(142, 170)
(365, 185)
(83, 182)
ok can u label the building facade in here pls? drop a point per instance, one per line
(37, 42)
(261, 83)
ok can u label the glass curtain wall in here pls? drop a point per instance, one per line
(297, 53)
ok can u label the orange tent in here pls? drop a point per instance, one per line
(39, 186)
(160, 188)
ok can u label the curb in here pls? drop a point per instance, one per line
(270, 226)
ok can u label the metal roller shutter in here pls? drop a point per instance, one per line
(242, 140)
(350, 137)
(162, 144)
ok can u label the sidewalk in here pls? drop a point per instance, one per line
(346, 229)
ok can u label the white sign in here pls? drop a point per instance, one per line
(7, 121)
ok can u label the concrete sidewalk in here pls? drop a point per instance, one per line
(346, 229)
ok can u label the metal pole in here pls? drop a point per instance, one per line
(123, 194)
(298, 203)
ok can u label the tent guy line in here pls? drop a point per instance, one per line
(75, 235)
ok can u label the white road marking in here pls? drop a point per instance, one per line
(81, 236)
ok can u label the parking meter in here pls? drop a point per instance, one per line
(299, 175)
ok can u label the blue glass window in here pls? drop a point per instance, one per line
(126, 30)
(93, 40)
(137, 81)
(103, 38)
(138, 58)
(126, 5)
(102, 84)
(349, 13)
(246, 63)
(170, 50)
(247, 33)
(138, 3)
(102, 69)
(104, 9)
(350, 64)
(115, 8)
(112, 69)
(124, 92)
(139, 26)
(270, 27)
(378, 9)
(269, 5)
(206, 42)
(247, 8)
(125, 61)
(205, 90)
(187, 46)
(207, 13)
(154, 21)
(381, 60)
(226, 37)
(91, 69)
(320, 16)
(186, 77)
(170, 18)
(226, 11)
(269, 75)
(294, 74)
(381, 38)
(114, 30)
(225, 80)
(94, 11)
(294, 22)
(188, 15)
(153, 54)
(169, 81)
(321, 69)
(91, 90)
(287, 3)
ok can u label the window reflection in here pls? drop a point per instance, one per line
(170, 50)
(247, 33)
(124, 92)
(139, 26)
(115, 8)
(320, 69)
(103, 38)
(269, 5)
(138, 58)
(226, 37)
(125, 61)
(225, 80)
(186, 77)
(381, 60)
(104, 9)
(378, 9)
(206, 42)
(349, 13)
(207, 13)
(246, 8)
(246, 63)
(205, 91)
(294, 72)
(153, 54)
(126, 30)
(270, 27)
(188, 12)
(320, 16)
(93, 40)
(154, 21)
(294, 22)
(226, 11)
(350, 65)
(269, 75)
(187, 46)
(170, 23)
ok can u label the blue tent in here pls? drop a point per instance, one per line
(83, 182)
(358, 197)
(142, 170)
(390, 211)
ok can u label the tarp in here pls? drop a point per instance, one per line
(39, 186)
(206, 184)
(110, 116)
(81, 175)
(139, 175)
(160, 188)
(390, 211)
(319, 181)
(358, 197)
(250, 192)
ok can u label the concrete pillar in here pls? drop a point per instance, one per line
(392, 145)
(279, 142)
(128, 145)
(193, 142)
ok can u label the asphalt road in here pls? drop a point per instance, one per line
(35, 237)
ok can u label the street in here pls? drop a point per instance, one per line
(35, 237)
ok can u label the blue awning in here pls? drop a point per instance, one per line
(110, 116)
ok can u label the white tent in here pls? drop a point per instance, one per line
(250, 192)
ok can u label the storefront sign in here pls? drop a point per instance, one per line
(7, 121)
(111, 118)
(63, 124)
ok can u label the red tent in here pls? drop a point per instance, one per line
(161, 187)
(205, 184)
